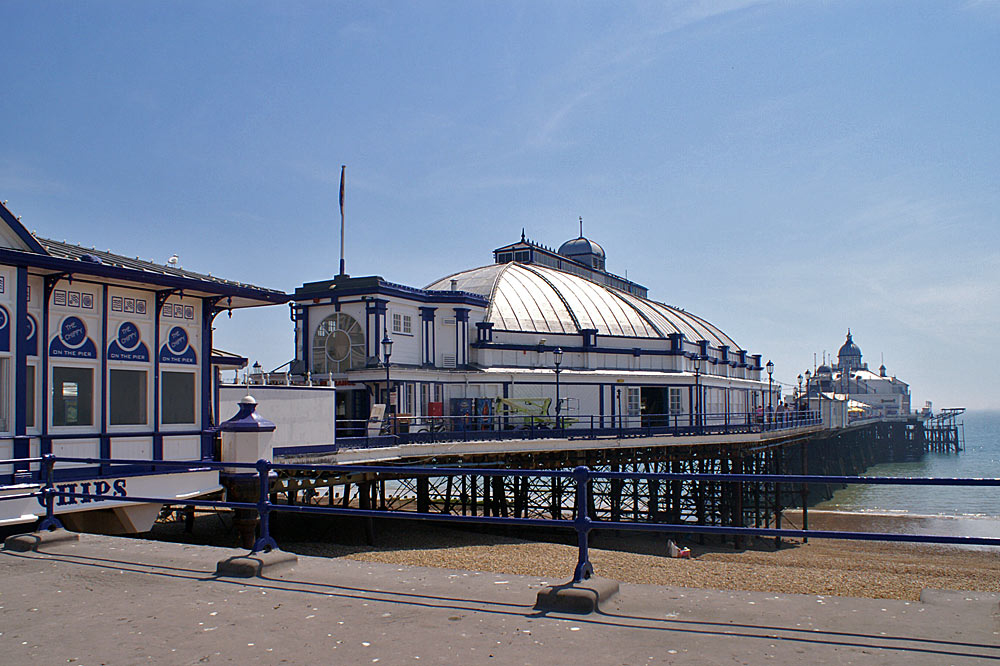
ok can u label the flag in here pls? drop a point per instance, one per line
(343, 167)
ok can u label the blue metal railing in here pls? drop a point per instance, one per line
(401, 430)
(581, 521)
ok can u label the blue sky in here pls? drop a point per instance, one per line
(785, 169)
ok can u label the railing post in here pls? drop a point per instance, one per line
(50, 522)
(264, 542)
(583, 524)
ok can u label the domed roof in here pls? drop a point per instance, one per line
(580, 246)
(849, 348)
(539, 299)
(824, 370)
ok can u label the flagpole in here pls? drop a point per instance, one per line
(343, 167)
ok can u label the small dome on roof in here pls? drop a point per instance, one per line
(824, 370)
(579, 247)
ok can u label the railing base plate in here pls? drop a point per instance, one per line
(256, 564)
(23, 543)
(582, 597)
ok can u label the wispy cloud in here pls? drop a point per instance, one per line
(600, 65)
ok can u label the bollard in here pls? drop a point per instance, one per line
(246, 438)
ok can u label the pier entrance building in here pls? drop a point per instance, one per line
(106, 356)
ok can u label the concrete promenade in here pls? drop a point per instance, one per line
(108, 600)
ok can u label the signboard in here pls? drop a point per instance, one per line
(128, 344)
(178, 349)
(72, 340)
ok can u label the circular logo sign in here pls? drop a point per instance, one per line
(3, 318)
(73, 332)
(31, 327)
(177, 340)
(128, 336)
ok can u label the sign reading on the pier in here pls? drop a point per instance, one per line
(178, 349)
(128, 345)
(72, 340)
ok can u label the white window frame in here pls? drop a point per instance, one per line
(95, 369)
(186, 425)
(139, 367)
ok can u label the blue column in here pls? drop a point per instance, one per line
(22, 448)
(105, 439)
(427, 329)
(306, 340)
(461, 336)
(207, 315)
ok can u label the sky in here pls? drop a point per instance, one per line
(787, 170)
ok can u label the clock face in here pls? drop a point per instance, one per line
(338, 345)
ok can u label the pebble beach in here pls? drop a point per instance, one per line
(880, 570)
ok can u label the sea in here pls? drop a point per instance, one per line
(969, 510)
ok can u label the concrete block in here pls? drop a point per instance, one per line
(23, 543)
(255, 564)
(583, 597)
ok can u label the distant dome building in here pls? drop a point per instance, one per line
(863, 392)
(489, 338)
(850, 355)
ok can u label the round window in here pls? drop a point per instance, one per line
(338, 345)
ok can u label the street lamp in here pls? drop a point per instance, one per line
(770, 371)
(386, 353)
(697, 389)
(800, 384)
(557, 359)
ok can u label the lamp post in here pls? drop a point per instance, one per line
(386, 353)
(557, 359)
(770, 372)
(697, 390)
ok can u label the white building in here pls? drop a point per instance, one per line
(492, 333)
(868, 393)
(106, 356)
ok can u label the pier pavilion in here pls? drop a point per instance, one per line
(106, 356)
(866, 393)
(537, 332)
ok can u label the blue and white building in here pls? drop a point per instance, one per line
(104, 356)
(492, 333)
(868, 394)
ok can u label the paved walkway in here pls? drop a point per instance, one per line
(107, 600)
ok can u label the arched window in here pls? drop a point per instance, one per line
(338, 345)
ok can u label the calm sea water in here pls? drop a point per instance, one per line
(981, 458)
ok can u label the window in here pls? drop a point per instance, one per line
(402, 323)
(634, 405)
(522, 255)
(128, 397)
(338, 345)
(675, 400)
(177, 395)
(29, 391)
(505, 257)
(72, 396)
